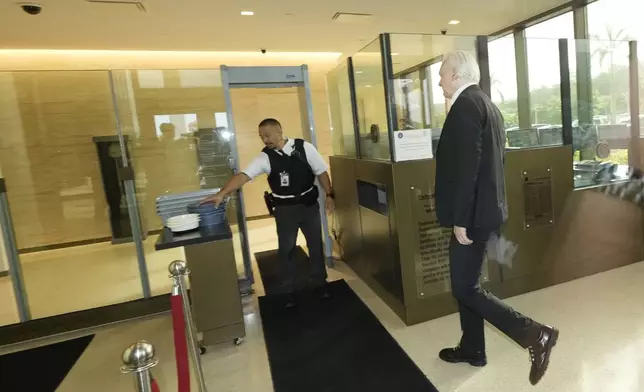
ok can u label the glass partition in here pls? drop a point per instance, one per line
(602, 131)
(69, 212)
(416, 61)
(543, 126)
(525, 79)
(8, 306)
(340, 111)
(370, 102)
(175, 125)
(503, 78)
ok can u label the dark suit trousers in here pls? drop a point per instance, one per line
(289, 220)
(476, 304)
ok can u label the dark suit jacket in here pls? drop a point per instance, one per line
(470, 186)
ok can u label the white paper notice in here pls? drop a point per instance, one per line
(413, 144)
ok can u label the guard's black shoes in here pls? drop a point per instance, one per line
(290, 301)
(322, 293)
(457, 355)
(540, 352)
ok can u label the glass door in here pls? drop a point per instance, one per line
(51, 121)
(174, 129)
(8, 302)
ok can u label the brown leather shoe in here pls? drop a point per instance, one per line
(540, 351)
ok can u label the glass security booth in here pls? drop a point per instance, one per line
(563, 144)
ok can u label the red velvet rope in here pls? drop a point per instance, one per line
(155, 386)
(180, 344)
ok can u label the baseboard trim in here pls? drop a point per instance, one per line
(258, 217)
(71, 322)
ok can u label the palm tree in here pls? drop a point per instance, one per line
(607, 46)
(497, 84)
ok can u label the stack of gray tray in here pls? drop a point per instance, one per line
(177, 204)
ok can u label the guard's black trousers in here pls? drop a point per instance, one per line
(289, 220)
(476, 304)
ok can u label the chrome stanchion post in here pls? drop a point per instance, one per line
(178, 272)
(139, 358)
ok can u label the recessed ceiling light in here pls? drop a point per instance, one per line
(358, 72)
(394, 54)
(454, 22)
(368, 85)
(247, 13)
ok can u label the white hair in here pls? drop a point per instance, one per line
(464, 64)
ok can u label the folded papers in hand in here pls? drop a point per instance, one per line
(501, 250)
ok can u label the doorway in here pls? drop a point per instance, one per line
(252, 94)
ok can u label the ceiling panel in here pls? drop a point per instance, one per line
(278, 25)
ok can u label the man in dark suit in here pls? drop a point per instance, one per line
(470, 200)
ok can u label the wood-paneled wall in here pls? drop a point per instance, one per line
(48, 119)
(48, 158)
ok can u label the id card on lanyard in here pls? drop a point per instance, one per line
(285, 180)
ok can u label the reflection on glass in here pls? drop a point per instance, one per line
(438, 104)
(419, 100)
(8, 309)
(545, 82)
(503, 78)
(608, 22)
(409, 101)
(370, 101)
(175, 124)
(544, 127)
(601, 135)
(344, 142)
(58, 157)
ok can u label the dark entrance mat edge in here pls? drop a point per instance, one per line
(49, 364)
(335, 345)
(269, 265)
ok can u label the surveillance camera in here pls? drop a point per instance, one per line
(31, 8)
(263, 51)
(444, 31)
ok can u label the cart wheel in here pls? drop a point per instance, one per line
(239, 341)
(202, 350)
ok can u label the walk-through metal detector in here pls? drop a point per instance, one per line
(270, 77)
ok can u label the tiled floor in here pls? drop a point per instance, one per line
(601, 348)
(83, 277)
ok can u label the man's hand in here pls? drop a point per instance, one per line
(461, 236)
(216, 199)
(329, 204)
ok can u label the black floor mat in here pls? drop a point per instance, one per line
(40, 369)
(334, 344)
(269, 268)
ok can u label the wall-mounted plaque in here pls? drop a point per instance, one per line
(431, 245)
(537, 198)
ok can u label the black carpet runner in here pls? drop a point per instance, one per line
(40, 369)
(334, 345)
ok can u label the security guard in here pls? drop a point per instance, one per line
(292, 166)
